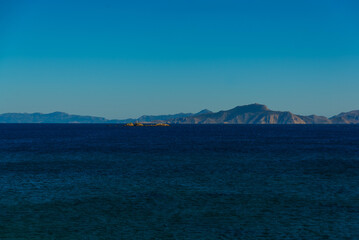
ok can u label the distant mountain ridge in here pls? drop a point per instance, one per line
(251, 114)
(55, 117)
(351, 117)
(161, 118)
(247, 114)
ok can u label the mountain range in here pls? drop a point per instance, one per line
(251, 114)
(55, 117)
(247, 114)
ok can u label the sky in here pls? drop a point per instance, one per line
(120, 59)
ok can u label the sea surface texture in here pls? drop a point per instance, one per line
(82, 181)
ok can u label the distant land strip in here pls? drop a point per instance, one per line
(247, 114)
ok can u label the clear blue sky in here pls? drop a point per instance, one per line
(121, 59)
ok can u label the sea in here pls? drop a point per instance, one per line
(100, 181)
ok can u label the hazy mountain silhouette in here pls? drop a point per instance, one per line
(61, 117)
(161, 118)
(55, 117)
(251, 114)
(247, 114)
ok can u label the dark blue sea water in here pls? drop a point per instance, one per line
(179, 182)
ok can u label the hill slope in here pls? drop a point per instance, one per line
(346, 118)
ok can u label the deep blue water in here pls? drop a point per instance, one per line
(179, 182)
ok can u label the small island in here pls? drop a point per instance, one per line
(146, 125)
